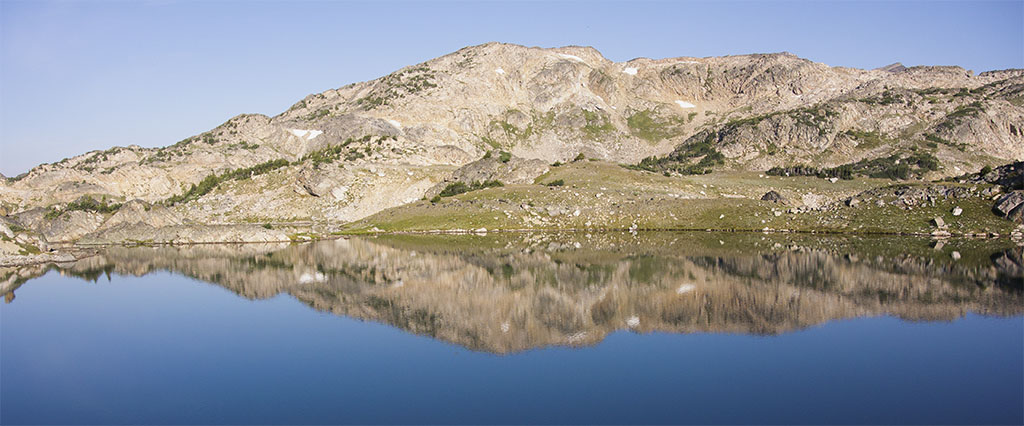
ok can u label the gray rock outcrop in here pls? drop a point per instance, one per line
(514, 171)
(141, 212)
(774, 197)
(1011, 206)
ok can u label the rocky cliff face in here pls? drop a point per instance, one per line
(349, 152)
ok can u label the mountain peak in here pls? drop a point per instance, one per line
(893, 67)
(345, 153)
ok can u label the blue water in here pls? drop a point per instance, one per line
(163, 348)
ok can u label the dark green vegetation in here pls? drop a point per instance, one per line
(887, 97)
(1009, 176)
(457, 188)
(210, 182)
(84, 203)
(649, 126)
(244, 145)
(398, 85)
(320, 113)
(503, 134)
(508, 132)
(934, 140)
(842, 172)
(818, 117)
(866, 140)
(892, 167)
(699, 154)
(556, 182)
(89, 163)
(27, 249)
(681, 159)
(960, 114)
(597, 125)
(334, 153)
(298, 105)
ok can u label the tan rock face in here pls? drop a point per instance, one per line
(182, 234)
(71, 226)
(514, 171)
(423, 121)
(138, 211)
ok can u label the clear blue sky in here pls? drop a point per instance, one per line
(77, 76)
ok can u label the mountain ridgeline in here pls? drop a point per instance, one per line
(348, 153)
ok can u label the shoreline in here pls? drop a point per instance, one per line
(83, 251)
(14, 261)
(989, 235)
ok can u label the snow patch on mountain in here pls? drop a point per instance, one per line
(305, 134)
(570, 57)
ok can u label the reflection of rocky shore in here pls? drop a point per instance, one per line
(511, 293)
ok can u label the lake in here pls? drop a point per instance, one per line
(521, 328)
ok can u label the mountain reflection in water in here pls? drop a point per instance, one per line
(513, 292)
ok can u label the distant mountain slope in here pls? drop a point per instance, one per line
(349, 152)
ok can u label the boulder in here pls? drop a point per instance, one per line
(939, 222)
(1011, 206)
(773, 196)
(1017, 214)
(1009, 176)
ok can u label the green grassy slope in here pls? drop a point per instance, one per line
(598, 195)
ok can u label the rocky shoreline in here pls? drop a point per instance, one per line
(84, 250)
(974, 206)
(59, 256)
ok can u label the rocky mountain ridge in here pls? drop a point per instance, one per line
(343, 154)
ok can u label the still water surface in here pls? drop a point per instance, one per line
(655, 328)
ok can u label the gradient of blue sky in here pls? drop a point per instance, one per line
(77, 76)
